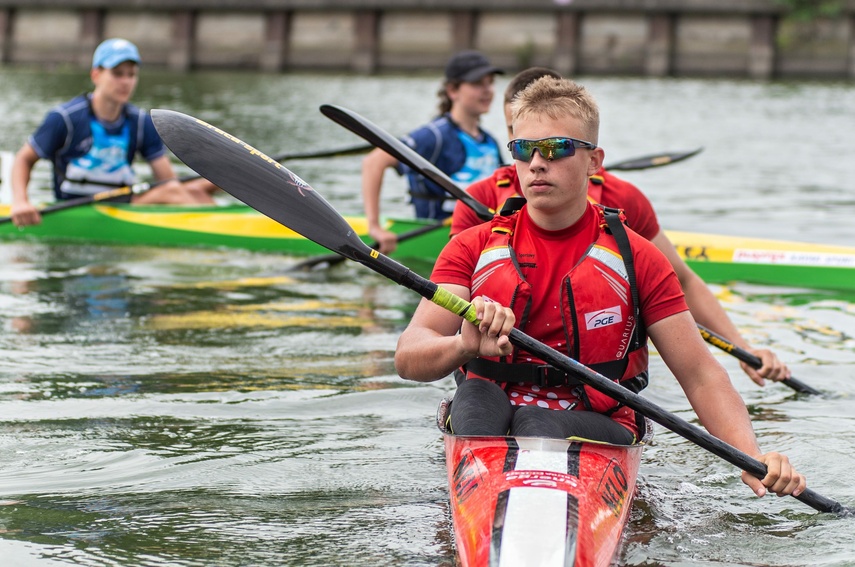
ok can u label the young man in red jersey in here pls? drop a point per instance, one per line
(611, 191)
(574, 277)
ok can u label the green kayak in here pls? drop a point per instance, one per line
(716, 258)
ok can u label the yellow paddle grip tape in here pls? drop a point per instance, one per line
(455, 304)
(715, 341)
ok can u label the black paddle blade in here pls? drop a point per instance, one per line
(654, 160)
(258, 180)
(369, 131)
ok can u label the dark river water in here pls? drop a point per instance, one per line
(167, 406)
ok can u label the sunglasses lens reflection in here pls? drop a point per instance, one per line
(549, 148)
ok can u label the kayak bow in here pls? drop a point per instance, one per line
(544, 502)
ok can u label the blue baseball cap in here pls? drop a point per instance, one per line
(114, 51)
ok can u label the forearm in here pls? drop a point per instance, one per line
(20, 182)
(162, 169)
(21, 171)
(373, 167)
(725, 416)
(371, 197)
(705, 382)
(707, 310)
(424, 355)
(435, 343)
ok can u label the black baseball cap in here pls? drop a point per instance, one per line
(469, 66)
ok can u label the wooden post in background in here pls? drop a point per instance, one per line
(661, 38)
(365, 54)
(464, 30)
(91, 34)
(183, 40)
(568, 30)
(763, 53)
(850, 59)
(277, 41)
(7, 16)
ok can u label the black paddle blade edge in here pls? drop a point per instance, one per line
(654, 160)
(369, 131)
(258, 180)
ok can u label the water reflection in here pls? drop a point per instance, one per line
(230, 411)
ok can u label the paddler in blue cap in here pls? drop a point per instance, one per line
(92, 141)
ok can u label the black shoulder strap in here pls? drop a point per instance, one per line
(512, 205)
(618, 231)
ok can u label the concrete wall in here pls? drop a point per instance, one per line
(740, 38)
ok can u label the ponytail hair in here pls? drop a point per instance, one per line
(444, 100)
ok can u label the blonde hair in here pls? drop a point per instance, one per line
(526, 77)
(556, 99)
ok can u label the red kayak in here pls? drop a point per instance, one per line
(539, 502)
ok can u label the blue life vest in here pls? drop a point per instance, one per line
(105, 164)
(454, 152)
(70, 133)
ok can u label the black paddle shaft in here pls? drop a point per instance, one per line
(270, 188)
(334, 258)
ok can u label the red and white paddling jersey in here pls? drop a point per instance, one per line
(571, 290)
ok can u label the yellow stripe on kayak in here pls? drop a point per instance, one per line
(252, 225)
(236, 284)
(739, 250)
(230, 320)
(311, 313)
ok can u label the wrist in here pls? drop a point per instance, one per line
(464, 354)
